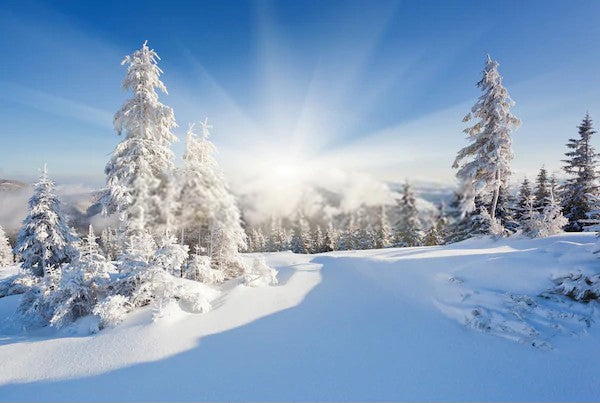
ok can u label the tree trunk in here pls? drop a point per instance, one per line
(495, 199)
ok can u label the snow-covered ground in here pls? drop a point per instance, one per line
(458, 322)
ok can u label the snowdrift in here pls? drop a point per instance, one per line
(468, 321)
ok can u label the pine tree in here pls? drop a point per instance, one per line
(142, 162)
(6, 255)
(554, 188)
(171, 256)
(317, 239)
(276, 241)
(301, 239)
(548, 222)
(111, 246)
(210, 208)
(348, 239)
(432, 237)
(409, 231)
(523, 200)
(581, 166)
(542, 190)
(332, 236)
(383, 230)
(505, 212)
(258, 240)
(83, 283)
(487, 166)
(45, 241)
(442, 222)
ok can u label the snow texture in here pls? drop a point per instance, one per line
(476, 320)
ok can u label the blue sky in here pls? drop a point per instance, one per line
(363, 86)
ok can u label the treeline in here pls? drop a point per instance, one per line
(483, 204)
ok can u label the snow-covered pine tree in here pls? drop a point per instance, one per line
(383, 230)
(408, 231)
(144, 157)
(523, 199)
(170, 255)
(457, 228)
(6, 254)
(199, 269)
(581, 166)
(276, 240)
(554, 188)
(484, 165)
(301, 238)
(109, 240)
(83, 283)
(332, 236)
(432, 237)
(505, 211)
(548, 222)
(442, 222)
(258, 239)
(210, 209)
(363, 233)
(542, 190)
(553, 216)
(45, 241)
(347, 239)
(318, 240)
(469, 224)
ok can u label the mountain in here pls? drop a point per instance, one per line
(8, 185)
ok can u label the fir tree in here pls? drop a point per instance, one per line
(433, 237)
(301, 238)
(523, 199)
(211, 210)
(6, 255)
(542, 190)
(581, 166)
(332, 236)
(383, 229)
(548, 222)
(171, 256)
(468, 224)
(408, 231)
(111, 246)
(141, 163)
(505, 212)
(317, 240)
(45, 241)
(487, 165)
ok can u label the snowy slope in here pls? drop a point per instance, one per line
(394, 324)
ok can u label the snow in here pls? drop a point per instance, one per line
(389, 324)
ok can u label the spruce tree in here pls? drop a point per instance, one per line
(210, 209)
(484, 165)
(301, 238)
(542, 190)
(523, 198)
(318, 239)
(6, 254)
(332, 236)
(581, 186)
(408, 231)
(45, 241)
(142, 162)
(432, 237)
(383, 229)
(505, 211)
